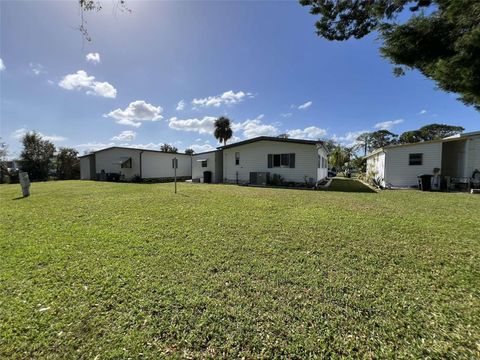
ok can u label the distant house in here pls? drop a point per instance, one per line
(456, 157)
(128, 163)
(259, 159)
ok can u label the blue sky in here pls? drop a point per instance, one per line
(259, 63)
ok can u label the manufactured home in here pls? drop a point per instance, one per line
(257, 160)
(456, 158)
(122, 163)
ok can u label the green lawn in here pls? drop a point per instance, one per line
(131, 270)
(348, 185)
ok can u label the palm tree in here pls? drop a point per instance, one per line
(223, 131)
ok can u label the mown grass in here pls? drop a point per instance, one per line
(106, 270)
(348, 185)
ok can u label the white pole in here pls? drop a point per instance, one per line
(175, 170)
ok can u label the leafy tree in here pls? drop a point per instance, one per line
(359, 163)
(36, 156)
(430, 132)
(440, 38)
(168, 148)
(68, 164)
(329, 145)
(439, 131)
(339, 157)
(189, 151)
(410, 137)
(382, 138)
(223, 130)
(363, 141)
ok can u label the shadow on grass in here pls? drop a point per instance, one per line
(20, 198)
(348, 185)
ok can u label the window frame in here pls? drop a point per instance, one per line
(415, 159)
(237, 158)
(204, 163)
(281, 160)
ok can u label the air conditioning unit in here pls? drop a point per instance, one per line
(259, 178)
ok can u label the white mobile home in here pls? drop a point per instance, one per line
(127, 163)
(294, 160)
(455, 157)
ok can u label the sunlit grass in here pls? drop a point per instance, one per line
(133, 270)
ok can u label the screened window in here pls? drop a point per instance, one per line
(276, 160)
(281, 160)
(237, 158)
(415, 159)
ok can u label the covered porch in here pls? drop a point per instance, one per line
(455, 170)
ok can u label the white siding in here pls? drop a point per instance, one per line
(197, 169)
(85, 168)
(376, 166)
(105, 161)
(157, 165)
(322, 172)
(399, 173)
(473, 155)
(254, 158)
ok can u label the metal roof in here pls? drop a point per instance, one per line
(271, 138)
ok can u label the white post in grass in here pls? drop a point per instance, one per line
(25, 183)
(175, 165)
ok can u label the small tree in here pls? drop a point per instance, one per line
(168, 148)
(223, 130)
(68, 164)
(36, 156)
(189, 151)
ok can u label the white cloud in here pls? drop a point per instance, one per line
(36, 69)
(306, 105)
(310, 133)
(126, 135)
(93, 58)
(227, 98)
(2, 65)
(255, 127)
(350, 138)
(81, 81)
(135, 113)
(423, 112)
(286, 115)
(202, 126)
(387, 125)
(181, 105)
(20, 133)
(201, 148)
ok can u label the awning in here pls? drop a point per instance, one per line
(200, 160)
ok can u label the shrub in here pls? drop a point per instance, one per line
(276, 180)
